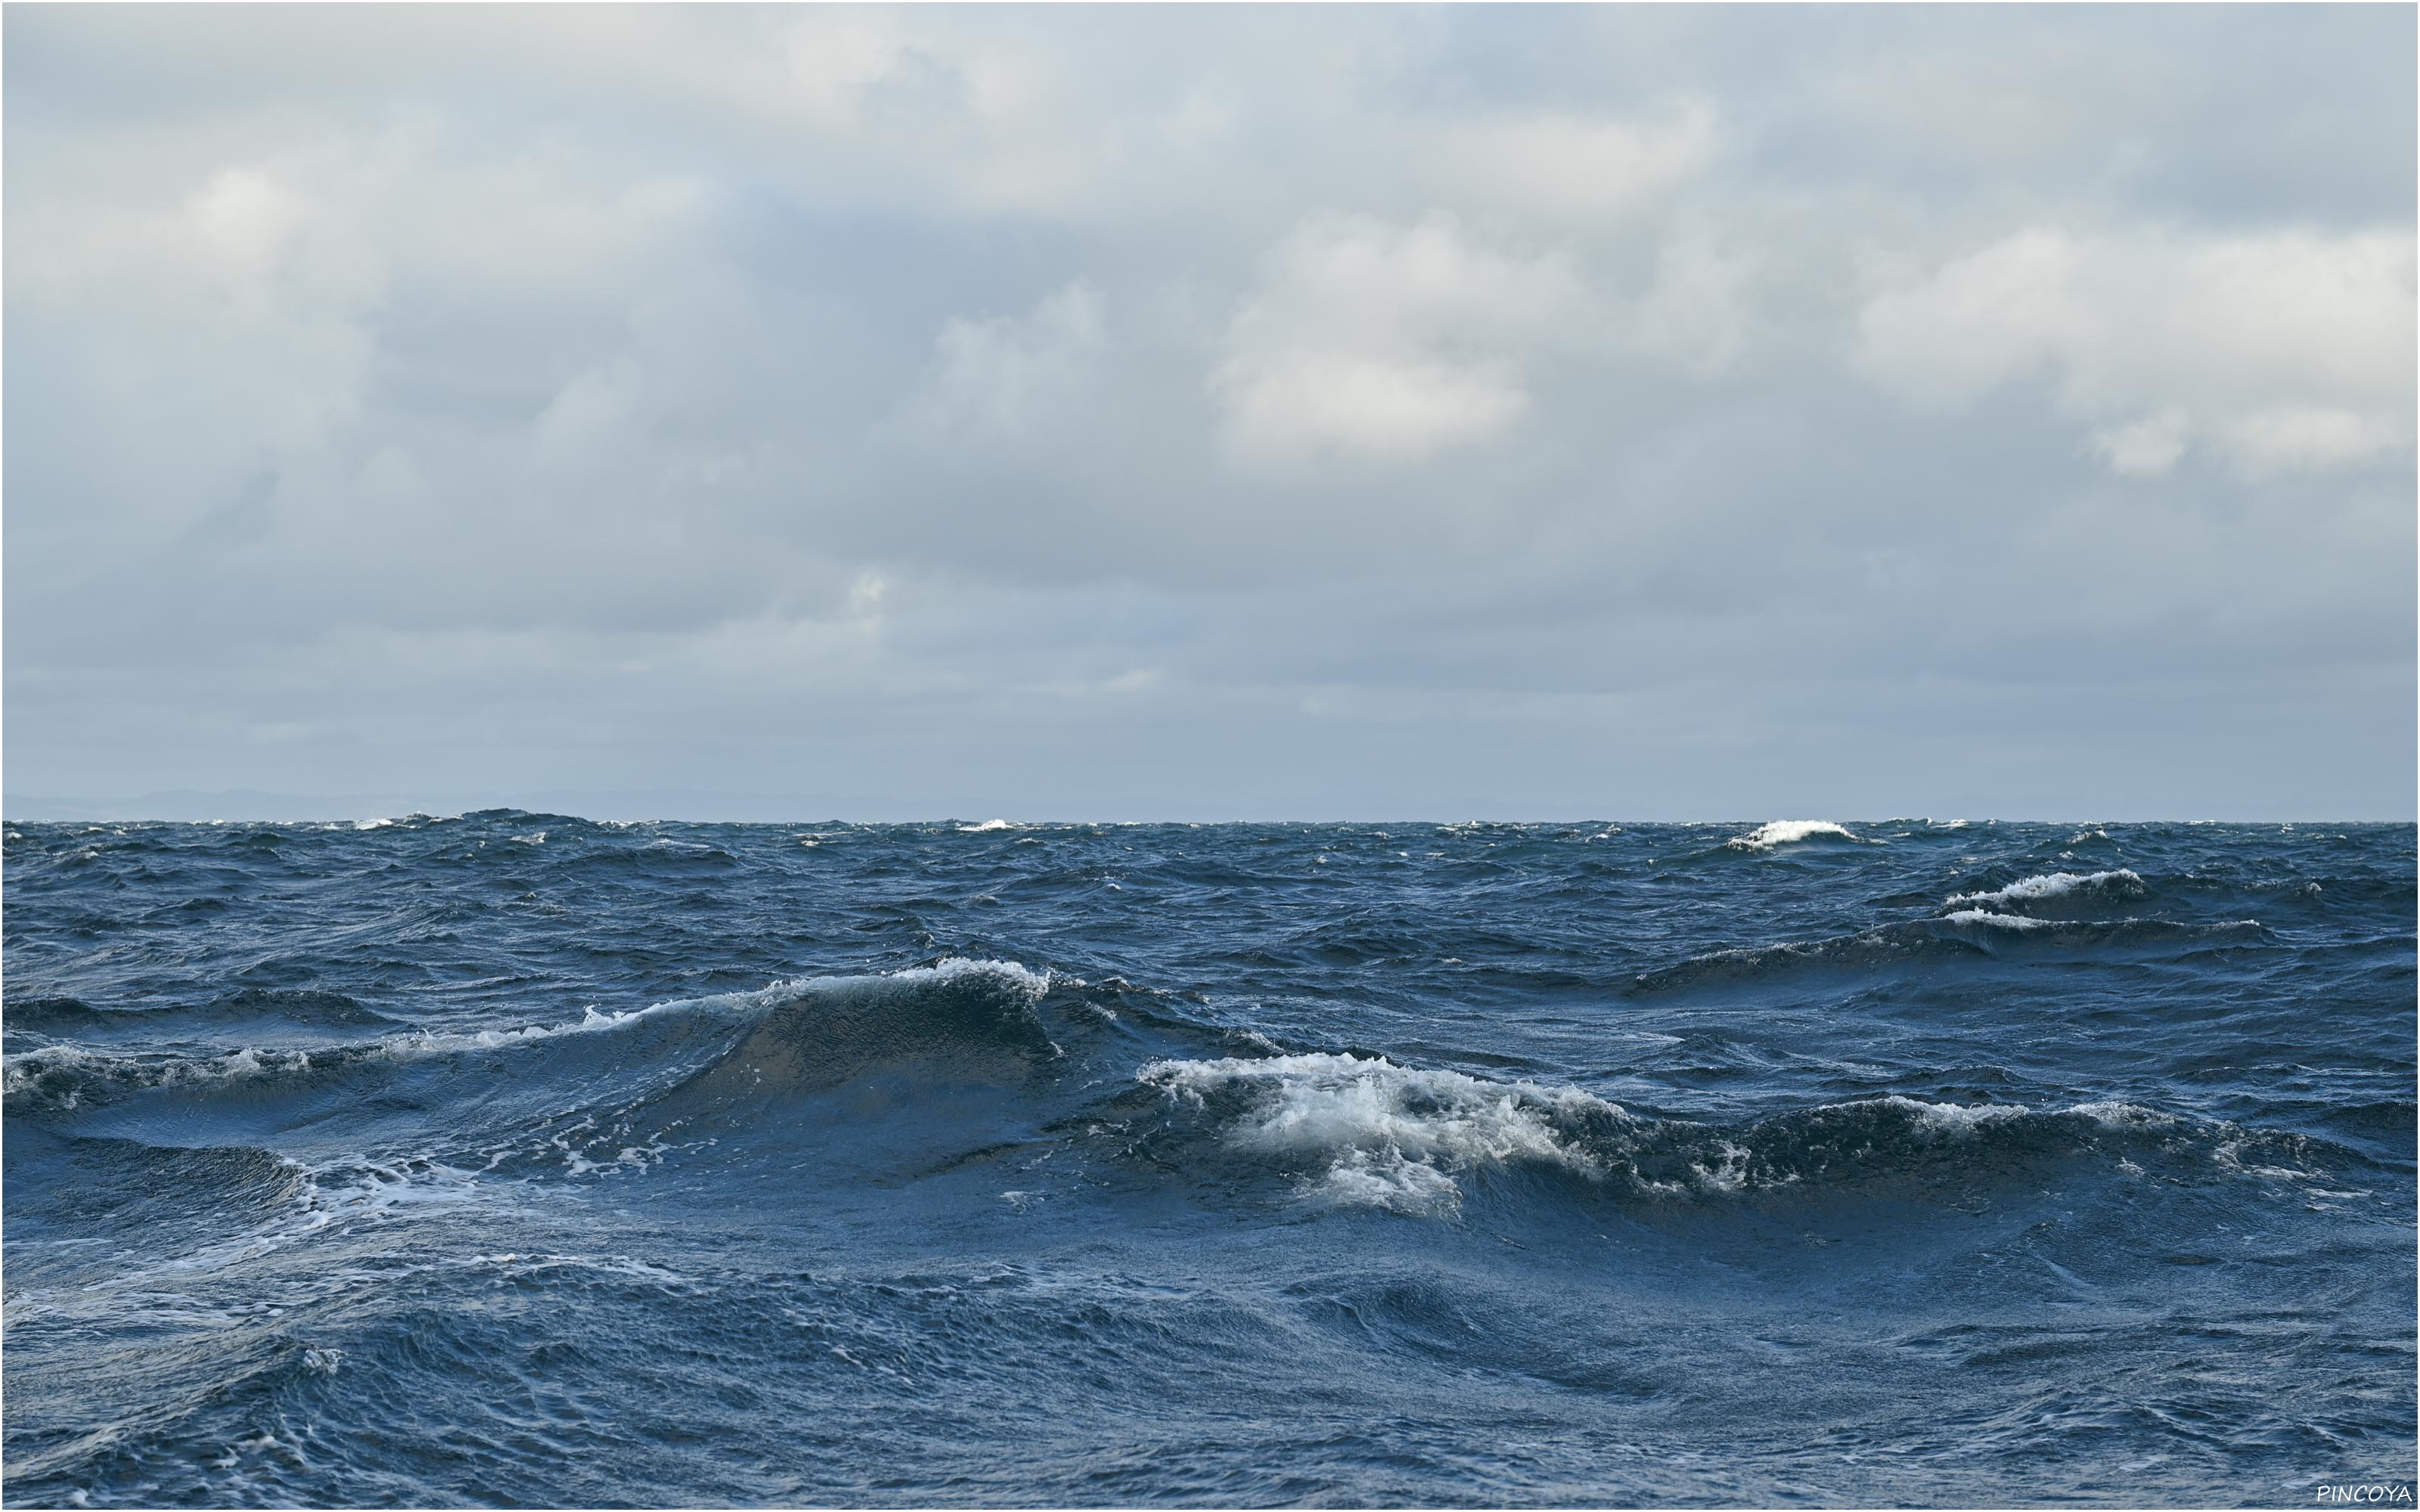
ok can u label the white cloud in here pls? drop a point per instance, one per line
(575, 339)
(2286, 437)
(1699, 312)
(1014, 379)
(244, 216)
(590, 416)
(1303, 400)
(2285, 350)
(1393, 343)
(1564, 167)
(2145, 448)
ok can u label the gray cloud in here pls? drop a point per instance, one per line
(1197, 412)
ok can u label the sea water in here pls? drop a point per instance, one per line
(510, 1158)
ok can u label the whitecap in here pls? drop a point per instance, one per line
(2121, 883)
(1993, 920)
(2119, 1116)
(1953, 1118)
(1389, 1137)
(1789, 832)
(1389, 1180)
(25, 1073)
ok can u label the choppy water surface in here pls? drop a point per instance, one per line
(511, 1158)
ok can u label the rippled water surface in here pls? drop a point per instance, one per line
(512, 1158)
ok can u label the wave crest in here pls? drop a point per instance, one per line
(1791, 832)
(2118, 883)
(1967, 932)
(1354, 1130)
(836, 1021)
(1388, 1136)
(961, 1021)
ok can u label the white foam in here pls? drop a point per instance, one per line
(18, 1070)
(2228, 1157)
(1955, 1118)
(1967, 1117)
(378, 1190)
(371, 1193)
(448, 1042)
(2058, 884)
(987, 827)
(1389, 1180)
(1729, 1170)
(1984, 917)
(21, 1073)
(2118, 1117)
(1789, 832)
(1391, 1136)
(372, 824)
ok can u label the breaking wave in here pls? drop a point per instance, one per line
(1793, 832)
(837, 1022)
(326, 1146)
(2122, 884)
(1383, 1134)
(1355, 1131)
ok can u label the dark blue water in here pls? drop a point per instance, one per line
(512, 1158)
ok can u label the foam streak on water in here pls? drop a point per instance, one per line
(512, 1157)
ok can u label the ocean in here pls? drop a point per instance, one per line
(512, 1159)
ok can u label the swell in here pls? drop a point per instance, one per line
(1972, 933)
(2069, 891)
(1355, 1131)
(124, 1183)
(960, 1020)
(1327, 1127)
(791, 1037)
(302, 1007)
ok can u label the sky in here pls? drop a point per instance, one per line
(1199, 413)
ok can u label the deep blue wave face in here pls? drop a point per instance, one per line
(512, 1158)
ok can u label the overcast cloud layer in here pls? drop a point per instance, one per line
(1263, 412)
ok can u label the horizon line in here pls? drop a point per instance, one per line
(980, 820)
